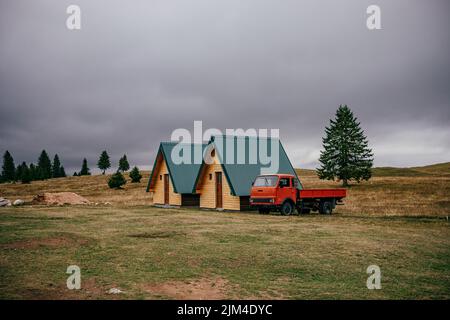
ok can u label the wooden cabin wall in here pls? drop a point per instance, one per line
(207, 188)
(158, 189)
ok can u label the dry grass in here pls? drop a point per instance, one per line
(427, 195)
(94, 188)
(153, 253)
(424, 194)
(181, 253)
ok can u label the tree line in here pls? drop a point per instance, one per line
(345, 156)
(46, 169)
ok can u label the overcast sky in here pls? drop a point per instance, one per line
(137, 70)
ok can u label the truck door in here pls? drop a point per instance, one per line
(284, 189)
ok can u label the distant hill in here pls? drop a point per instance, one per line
(439, 169)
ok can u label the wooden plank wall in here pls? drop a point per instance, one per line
(207, 188)
(158, 190)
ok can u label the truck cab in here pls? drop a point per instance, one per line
(270, 192)
(280, 192)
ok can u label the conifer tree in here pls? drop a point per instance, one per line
(26, 174)
(103, 162)
(123, 164)
(56, 167)
(45, 166)
(117, 180)
(84, 169)
(345, 155)
(135, 175)
(38, 173)
(33, 172)
(8, 168)
(19, 171)
(62, 172)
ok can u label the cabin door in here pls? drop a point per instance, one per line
(166, 189)
(219, 196)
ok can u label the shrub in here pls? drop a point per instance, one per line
(116, 181)
(135, 175)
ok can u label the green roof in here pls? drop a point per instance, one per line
(183, 176)
(241, 176)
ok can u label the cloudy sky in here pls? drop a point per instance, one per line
(137, 70)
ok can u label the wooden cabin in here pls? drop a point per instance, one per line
(226, 186)
(173, 184)
(214, 189)
(215, 184)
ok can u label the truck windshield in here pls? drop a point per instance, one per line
(266, 181)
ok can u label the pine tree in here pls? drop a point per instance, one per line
(123, 164)
(135, 175)
(26, 174)
(345, 153)
(8, 168)
(103, 162)
(45, 166)
(33, 172)
(38, 173)
(116, 181)
(84, 169)
(75, 174)
(56, 167)
(62, 172)
(19, 171)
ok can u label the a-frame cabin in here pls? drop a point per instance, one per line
(225, 184)
(174, 184)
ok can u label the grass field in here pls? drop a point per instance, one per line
(397, 222)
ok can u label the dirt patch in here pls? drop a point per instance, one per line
(90, 289)
(52, 242)
(198, 289)
(59, 198)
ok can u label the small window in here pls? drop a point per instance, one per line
(210, 176)
(295, 183)
(284, 183)
(160, 177)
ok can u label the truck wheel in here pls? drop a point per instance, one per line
(325, 207)
(287, 208)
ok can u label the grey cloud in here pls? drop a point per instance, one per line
(140, 69)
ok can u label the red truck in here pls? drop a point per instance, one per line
(280, 192)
